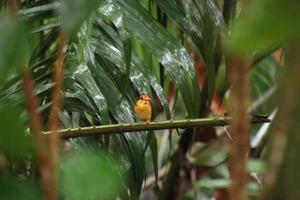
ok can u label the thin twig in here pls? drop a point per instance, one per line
(262, 99)
(252, 173)
(227, 133)
(169, 124)
(261, 134)
(150, 181)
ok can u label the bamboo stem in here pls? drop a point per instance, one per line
(169, 124)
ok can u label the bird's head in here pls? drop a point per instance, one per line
(144, 98)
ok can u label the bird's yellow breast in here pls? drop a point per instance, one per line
(143, 110)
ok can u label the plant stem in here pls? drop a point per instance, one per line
(280, 181)
(169, 124)
(54, 123)
(239, 127)
(35, 122)
(13, 6)
(37, 127)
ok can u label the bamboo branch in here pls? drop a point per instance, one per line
(170, 124)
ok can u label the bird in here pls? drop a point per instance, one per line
(143, 108)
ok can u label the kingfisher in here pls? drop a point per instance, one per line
(143, 108)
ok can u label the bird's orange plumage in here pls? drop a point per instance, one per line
(143, 108)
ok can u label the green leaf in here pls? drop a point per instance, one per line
(12, 188)
(109, 47)
(90, 175)
(214, 183)
(40, 51)
(140, 75)
(210, 157)
(258, 166)
(131, 148)
(38, 11)
(13, 141)
(163, 46)
(79, 69)
(224, 183)
(263, 77)
(203, 21)
(152, 143)
(153, 149)
(259, 31)
(127, 53)
(75, 12)
(14, 49)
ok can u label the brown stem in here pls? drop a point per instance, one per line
(36, 126)
(36, 123)
(284, 124)
(239, 127)
(13, 6)
(54, 122)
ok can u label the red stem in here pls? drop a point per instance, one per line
(54, 122)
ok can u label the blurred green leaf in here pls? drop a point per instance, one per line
(285, 133)
(216, 183)
(131, 149)
(224, 183)
(265, 25)
(263, 77)
(75, 12)
(258, 166)
(152, 143)
(210, 157)
(38, 11)
(14, 49)
(14, 189)
(90, 175)
(13, 141)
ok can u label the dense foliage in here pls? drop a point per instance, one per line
(179, 53)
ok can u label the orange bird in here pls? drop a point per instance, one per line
(143, 108)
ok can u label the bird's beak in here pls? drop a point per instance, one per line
(147, 98)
